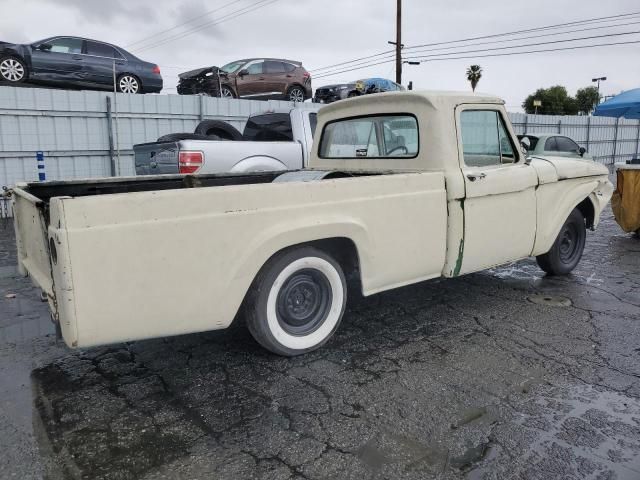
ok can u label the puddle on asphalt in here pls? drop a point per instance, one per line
(550, 300)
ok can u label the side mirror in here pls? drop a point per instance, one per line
(243, 72)
(582, 151)
(44, 47)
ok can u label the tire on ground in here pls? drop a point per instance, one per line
(174, 137)
(296, 301)
(566, 251)
(221, 130)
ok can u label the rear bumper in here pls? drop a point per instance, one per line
(152, 85)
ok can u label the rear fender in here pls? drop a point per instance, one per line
(260, 163)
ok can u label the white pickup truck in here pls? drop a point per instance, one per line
(272, 140)
(403, 187)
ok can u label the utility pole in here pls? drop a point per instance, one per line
(599, 79)
(398, 43)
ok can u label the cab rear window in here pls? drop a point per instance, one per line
(379, 136)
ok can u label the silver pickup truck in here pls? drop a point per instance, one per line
(271, 141)
(401, 187)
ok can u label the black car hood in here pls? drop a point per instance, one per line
(198, 72)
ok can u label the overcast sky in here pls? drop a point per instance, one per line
(321, 33)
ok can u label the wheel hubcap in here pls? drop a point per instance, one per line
(226, 93)
(11, 70)
(128, 85)
(296, 95)
(303, 302)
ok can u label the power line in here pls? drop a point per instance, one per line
(516, 32)
(199, 17)
(215, 21)
(493, 55)
(548, 27)
(592, 37)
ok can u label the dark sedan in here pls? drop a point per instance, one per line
(78, 62)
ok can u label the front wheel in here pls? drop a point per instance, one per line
(13, 69)
(297, 301)
(128, 84)
(227, 92)
(567, 250)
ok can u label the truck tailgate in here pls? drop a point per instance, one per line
(32, 239)
(156, 158)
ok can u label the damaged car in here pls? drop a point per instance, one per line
(340, 91)
(252, 78)
(77, 62)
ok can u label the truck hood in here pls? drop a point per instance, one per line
(573, 167)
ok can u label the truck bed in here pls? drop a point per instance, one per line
(128, 259)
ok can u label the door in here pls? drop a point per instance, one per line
(252, 84)
(59, 59)
(276, 77)
(99, 59)
(500, 202)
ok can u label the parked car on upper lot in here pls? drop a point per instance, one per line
(271, 141)
(340, 91)
(253, 78)
(552, 144)
(124, 259)
(78, 62)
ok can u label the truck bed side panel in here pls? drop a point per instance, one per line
(170, 262)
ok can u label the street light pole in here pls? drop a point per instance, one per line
(598, 81)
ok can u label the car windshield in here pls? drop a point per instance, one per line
(232, 67)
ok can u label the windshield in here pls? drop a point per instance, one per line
(232, 67)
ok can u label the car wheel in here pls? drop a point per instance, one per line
(297, 301)
(296, 94)
(566, 252)
(226, 92)
(352, 94)
(128, 84)
(13, 69)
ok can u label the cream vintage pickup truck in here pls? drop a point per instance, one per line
(402, 187)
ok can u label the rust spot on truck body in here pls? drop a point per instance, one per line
(458, 267)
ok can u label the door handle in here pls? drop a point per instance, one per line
(476, 176)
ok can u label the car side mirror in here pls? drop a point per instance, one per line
(582, 151)
(243, 72)
(44, 47)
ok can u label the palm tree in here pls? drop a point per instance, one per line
(474, 74)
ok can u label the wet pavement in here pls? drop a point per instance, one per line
(503, 374)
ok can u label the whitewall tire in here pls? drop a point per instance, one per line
(297, 301)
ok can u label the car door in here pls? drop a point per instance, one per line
(276, 78)
(500, 202)
(58, 59)
(252, 84)
(99, 61)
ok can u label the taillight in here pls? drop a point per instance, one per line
(190, 162)
(156, 69)
(306, 75)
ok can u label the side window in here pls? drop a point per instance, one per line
(289, 67)
(66, 45)
(273, 67)
(485, 140)
(567, 145)
(388, 136)
(100, 50)
(255, 68)
(551, 145)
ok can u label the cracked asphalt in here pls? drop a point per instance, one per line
(504, 374)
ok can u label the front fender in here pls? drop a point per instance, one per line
(557, 200)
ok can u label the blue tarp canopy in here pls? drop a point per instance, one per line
(626, 105)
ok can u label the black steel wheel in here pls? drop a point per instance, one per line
(566, 251)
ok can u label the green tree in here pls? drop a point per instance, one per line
(555, 101)
(474, 74)
(587, 98)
